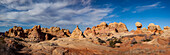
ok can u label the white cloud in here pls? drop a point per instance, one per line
(148, 7)
(52, 13)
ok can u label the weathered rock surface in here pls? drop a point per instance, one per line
(122, 27)
(104, 30)
(139, 26)
(66, 46)
(102, 39)
(36, 34)
(77, 33)
(15, 32)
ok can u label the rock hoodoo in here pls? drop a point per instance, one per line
(139, 26)
(77, 33)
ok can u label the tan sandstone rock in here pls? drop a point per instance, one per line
(122, 27)
(36, 34)
(77, 33)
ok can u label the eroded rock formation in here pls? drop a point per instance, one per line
(77, 33)
(15, 32)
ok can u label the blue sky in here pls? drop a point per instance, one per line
(85, 13)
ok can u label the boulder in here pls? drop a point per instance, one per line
(138, 25)
(152, 27)
(144, 29)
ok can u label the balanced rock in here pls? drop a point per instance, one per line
(77, 33)
(138, 25)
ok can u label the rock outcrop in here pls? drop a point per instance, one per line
(56, 32)
(104, 30)
(36, 34)
(152, 27)
(122, 27)
(15, 32)
(166, 28)
(77, 33)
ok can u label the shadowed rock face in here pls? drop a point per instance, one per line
(15, 31)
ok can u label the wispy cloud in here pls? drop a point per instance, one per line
(148, 7)
(51, 12)
(125, 9)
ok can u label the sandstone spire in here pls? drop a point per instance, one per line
(77, 33)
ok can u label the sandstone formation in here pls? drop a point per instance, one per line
(122, 27)
(139, 26)
(77, 33)
(144, 29)
(36, 34)
(102, 39)
(166, 28)
(15, 31)
(152, 27)
(104, 30)
(155, 28)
